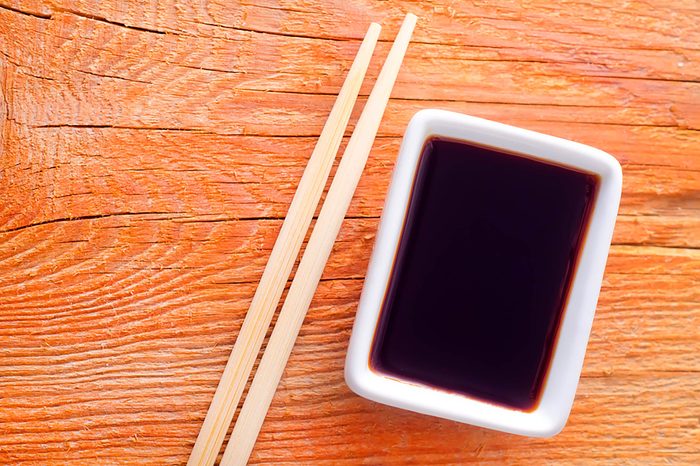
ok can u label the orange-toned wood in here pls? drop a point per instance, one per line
(149, 150)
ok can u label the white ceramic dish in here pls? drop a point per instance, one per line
(552, 411)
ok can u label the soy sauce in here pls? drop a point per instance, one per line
(482, 272)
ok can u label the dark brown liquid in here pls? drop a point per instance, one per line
(482, 272)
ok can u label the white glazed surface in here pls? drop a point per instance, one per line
(550, 415)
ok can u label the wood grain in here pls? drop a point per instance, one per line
(149, 150)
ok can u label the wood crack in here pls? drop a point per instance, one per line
(180, 217)
(81, 14)
(25, 13)
(279, 34)
(23, 70)
(99, 126)
(278, 8)
(642, 244)
(644, 78)
(108, 21)
(261, 219)
(113, 77)
(84, 217)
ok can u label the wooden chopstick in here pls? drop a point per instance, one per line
(313, 261)
(280, 263)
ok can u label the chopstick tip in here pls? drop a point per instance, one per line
(374, 28)
(410, 17)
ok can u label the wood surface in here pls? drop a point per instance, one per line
(149, 151)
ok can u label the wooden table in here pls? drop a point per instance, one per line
(150, 150)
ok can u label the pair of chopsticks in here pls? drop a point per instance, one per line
(284, 253)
